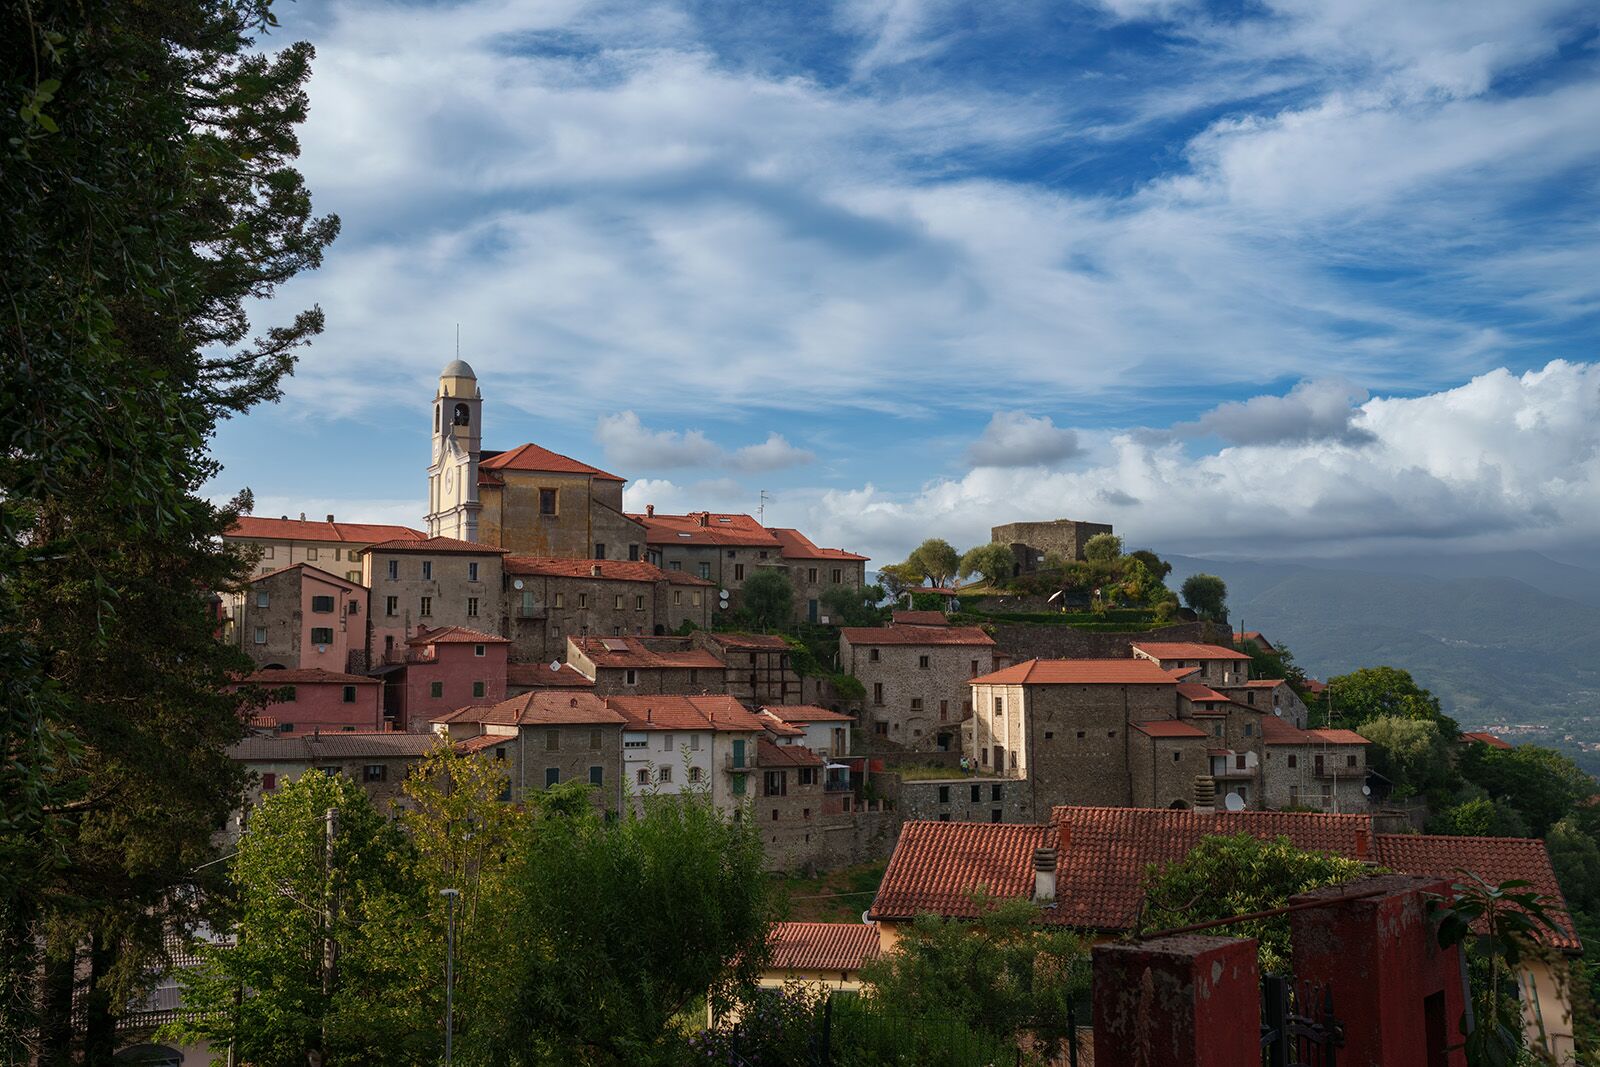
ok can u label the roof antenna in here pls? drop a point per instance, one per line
(761, 508)
(458, 340)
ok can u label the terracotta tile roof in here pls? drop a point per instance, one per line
(360, 533)
(821, 946)
(1079, 672)
(1265, 683)
(1494, 859)
(1241, 636)
(547, 708)
(706, 528)
(804, 713)
(612, 570)
(1485, 738)
(306, 676)
(1315, 687)
(937, 865)
(915, 635)
(1194, 691)
(345, 744)
(1186, 650)
(778, 728)
(632, 652)
(749, 642)
(708, 712)
(920, 618)
(797, 545)
(439, 544)
(1169, 728)
(539, 675)
(1337, 737)
(455, 635)
(771, 755)
(316, 573)
(533, 458)
(481, 743)
(1276, 731)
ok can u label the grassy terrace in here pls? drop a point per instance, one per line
(835, 897)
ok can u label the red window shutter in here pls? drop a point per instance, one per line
(269, 782)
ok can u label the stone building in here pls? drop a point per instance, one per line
(433, 583)
(547, 599)
(300, 616)
(645, 665)
(1031, 541)
(675, 743)
(527, 500)
(335, 547)
(378, 761)
(827, 733)
(545, 677)
(1270, 696)
(1234, 739)
(815, 571)
(1211, 665)
(309, 700)
(443, 669)
(544, 739)
(759, 671)
(1321, 769)
(916, 679)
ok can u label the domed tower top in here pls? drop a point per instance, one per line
(458, 368)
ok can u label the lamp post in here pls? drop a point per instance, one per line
(449, 972)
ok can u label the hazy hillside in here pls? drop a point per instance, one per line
(1493, 647)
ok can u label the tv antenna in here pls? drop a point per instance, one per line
(458, 340)
(761, 507)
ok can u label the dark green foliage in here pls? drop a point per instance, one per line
(1206, 594)
(611, 929)
(1411, 753)
(933, 561)
(1102, 548)
(1374, 691)
(146, 195)
(1226, 876)
(855, 607)
(767, 599)
(1277, 662)
(994, 561)
(1153, 563)
(1479, 816)
(1541, 784)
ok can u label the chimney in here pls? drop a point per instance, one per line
(302, 516)
(1044, 876)
(649, 510)
(704, 517)
(330, 516)
(574, 702)
(649, 715)
(1205, 794)
(594, 571)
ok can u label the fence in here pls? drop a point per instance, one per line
(1298, 1026)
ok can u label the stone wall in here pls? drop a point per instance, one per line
(911, 704)
(1021, 641)
(827, 842)
(959, 798)
(1031, 540)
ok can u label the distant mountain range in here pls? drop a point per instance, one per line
(1499, 637)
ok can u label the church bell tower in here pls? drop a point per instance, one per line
(457, 446)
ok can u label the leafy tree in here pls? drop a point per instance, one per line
(381, 1000)
(1575, 854)
(1540, 783)
(933, 560)
(1000, 973)
(994, 561)
(612, 928)
(1479, 816)
(1158, 567)
(1374, 691)
(1206, 594)
(1276, 662)
(854, 607)
(767, 599)
(1411, 753)
(896, 578)
(1225, 876)
(1102, 548)
(147, 206)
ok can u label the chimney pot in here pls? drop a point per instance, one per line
(649, 510)
(302, 516)
(1205, 794)
(595, 570)
(1044, 875)
(330, 516)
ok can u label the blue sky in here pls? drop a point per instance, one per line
(1300, 277)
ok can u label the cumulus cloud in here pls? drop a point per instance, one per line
(1017, 439)
(1504, 460)
(1312, 411)
(628, 443)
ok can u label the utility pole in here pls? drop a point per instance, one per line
(450, 895)
(761, 507)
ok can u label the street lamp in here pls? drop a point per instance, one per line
(449, 972)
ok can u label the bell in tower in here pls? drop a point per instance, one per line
(457, 447)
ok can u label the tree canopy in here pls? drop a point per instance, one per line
(1206, 594)
(767, 599)
(994, 561)
(1412, 753)
(933, 560)
(1374, 691)
(1102, 548)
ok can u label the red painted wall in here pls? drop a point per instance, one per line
(455, 668)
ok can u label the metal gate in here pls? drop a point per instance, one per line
(1298, 1026)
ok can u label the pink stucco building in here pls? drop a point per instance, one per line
(444, 669)
(309, 699)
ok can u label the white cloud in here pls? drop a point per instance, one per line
(1503, 461)
(775, 453)
(629, 444)
(1017, 439)
(1312, 411)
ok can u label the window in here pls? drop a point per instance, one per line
(922, 662)
(666, 742)
(322, 635)
(705, 571)
(944, 711)
(995, 792)
(1049, 735)
(630, 677)
(677, 597)
(675, 565)
(808, 776)
(561, 600)
(500, 754)
(811, 574)
(552, 740)
(597, 776)
(583, 600)
(877, 693)
(944, 794)
(349, 694)
(775, 783)
(1349, 761)
(354, 576)
(436, 689)
(336, 553)
(1294, 761)
(426, 608)
(375, 772)
(394, 569)
(547, 501)
(1111, 733)
(261, 635)
(1082, 735)
(1250, 697)
(311, 553)
(694, 742)
(643, 776)
(881, 729)
(1249, 729)
(391, 605)
(774, 814)
(552, 776)
(1238, 762)
(472, 572)
(977, 794)
(1176, 755)
(322, 605)
(916, 703)
(994, 815)
(738, 572)
(427, 569)
(286, 727)
(269, 782)
(479, 650)
(944, 816)
(694, 599)
(353, 608)
(477, 689)
(872, 655)
(263, 599)
(695, 775)
(633, 552)
(638, 603)
(472, 606)
(599, 550)
(266, 553)
(664, 775)
(594, 740)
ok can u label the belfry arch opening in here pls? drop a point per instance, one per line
(462, 417)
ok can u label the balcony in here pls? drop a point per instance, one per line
(531, 611)
(837, 785)
(1330, 771)
(739, 766)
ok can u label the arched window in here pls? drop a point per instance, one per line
(463, 417)
(438, 417)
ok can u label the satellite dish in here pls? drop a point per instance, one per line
(1278, 712)
(1233, 802)
(322, 648)
(555, 665)
(517, 584)
(723, 594)
(1366, 790)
